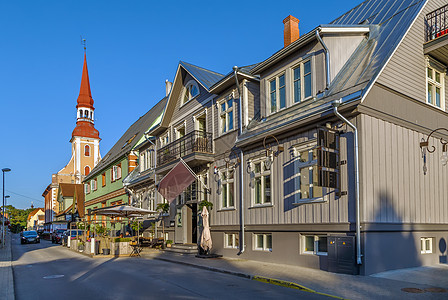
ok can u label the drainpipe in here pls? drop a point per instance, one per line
(240, 130)
(327, 57)
(336, 104)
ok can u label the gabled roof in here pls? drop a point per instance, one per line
(35, 211)
(205, 77)
(389, 21)
(129, 139)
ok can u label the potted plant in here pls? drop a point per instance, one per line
(164, 209)
(169, 243)
(81, 246)
(102, 232)
(205, 203)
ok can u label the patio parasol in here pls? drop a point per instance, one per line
(206, 238)
(124, 211)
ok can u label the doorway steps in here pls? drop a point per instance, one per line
(183, 248)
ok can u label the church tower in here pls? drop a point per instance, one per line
(85, 137)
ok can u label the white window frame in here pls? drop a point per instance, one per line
(265, 242)
(86, 188)
(93, 184)
(164, 139)
(116, 172)
(436, 68)
(225, 114)
(301, 65)
(316, 238)
(234, 240)
(147, 159)
(309, 147)
(277, 92)
(187, 89)
(262, 175)
(226, 181)
(424, 248)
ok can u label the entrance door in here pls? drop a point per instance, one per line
(194, 223)
(341, 255)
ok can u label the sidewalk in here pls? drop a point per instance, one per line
(6, 278)
(387, 285)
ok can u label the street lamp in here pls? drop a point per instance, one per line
(3, 210)
(424, 146)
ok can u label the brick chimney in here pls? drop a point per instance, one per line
(291, 31)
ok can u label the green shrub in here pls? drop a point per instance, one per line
(169, 241)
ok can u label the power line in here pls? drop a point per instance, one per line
(40, 200)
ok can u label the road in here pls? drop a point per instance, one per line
(48, 271)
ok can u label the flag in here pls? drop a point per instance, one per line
(176, 181)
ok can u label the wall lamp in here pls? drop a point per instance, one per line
(270, 153)
(424, 146)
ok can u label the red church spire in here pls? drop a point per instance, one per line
(85, 96)
(85, 119)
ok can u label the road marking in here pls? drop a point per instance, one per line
(53, 276)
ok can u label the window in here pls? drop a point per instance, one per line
(260, 183)
(226, 115)
(103, 179)
(80, 113)
(86, 150)
(86, 170)
(227, 191)
(426, 245)
(86, 188)
(93, 184)
(307, 171)
(435, 83)
(191, 91)
(263, 242)
(231, 240)
(164, 140)
(277, 93)
(302, 87)
(116, 172)
(315, 244)
(147, 160)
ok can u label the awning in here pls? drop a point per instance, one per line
(122, 211)
(176, 181)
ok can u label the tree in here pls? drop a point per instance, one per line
(17, 217)
(164, 209)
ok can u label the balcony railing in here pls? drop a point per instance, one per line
(436, 23)
(195, 141)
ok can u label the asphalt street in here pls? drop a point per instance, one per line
(45, 270)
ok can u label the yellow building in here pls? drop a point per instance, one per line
(35, 219)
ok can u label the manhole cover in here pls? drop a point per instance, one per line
(53, 276)
(436, 290)
(413, 290)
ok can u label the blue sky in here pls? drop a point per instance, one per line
(132, 48)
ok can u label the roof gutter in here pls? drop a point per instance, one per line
(240, 131)
(327, 56)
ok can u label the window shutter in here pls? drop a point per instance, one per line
(328, 158)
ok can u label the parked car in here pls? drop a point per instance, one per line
(29, 237)
(56, 236)
(72, 233)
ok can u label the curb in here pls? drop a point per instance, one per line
(268, 280)
(292, 285)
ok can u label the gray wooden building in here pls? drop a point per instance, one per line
(313, 156)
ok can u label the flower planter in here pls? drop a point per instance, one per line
(120, 248)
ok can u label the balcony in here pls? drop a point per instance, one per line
(195, 149)
(436, 34)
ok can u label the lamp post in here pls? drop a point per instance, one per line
(3, 209)
(424, 146)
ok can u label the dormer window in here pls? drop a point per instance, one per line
(277, 93)
(191, 91)
(302, 82)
